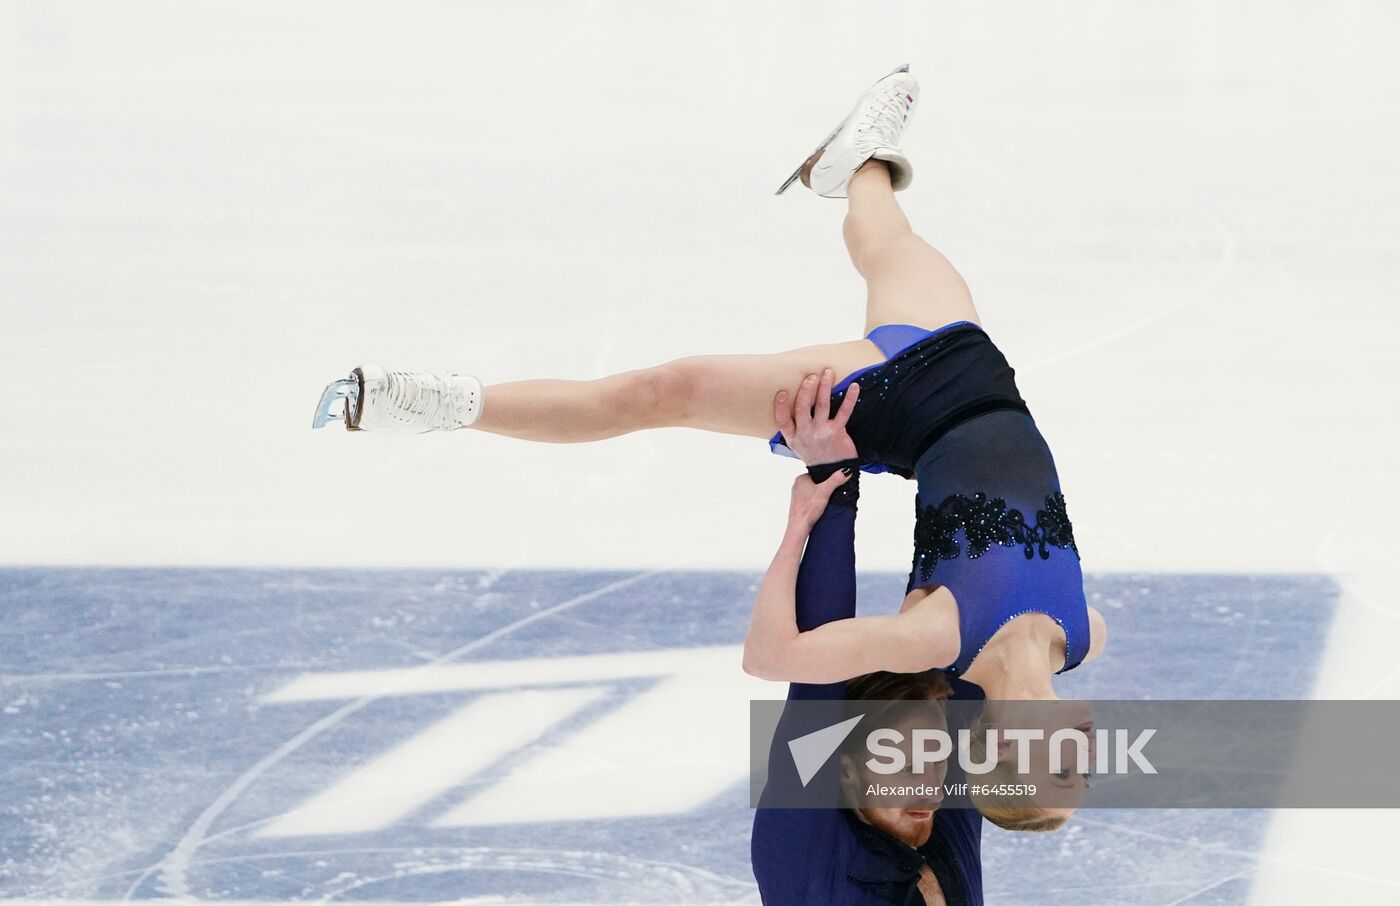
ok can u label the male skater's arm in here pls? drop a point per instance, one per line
(825, 587)
(779, 645)
(794, 851)
(812, 579)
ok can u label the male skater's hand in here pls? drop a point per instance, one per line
(818, 437)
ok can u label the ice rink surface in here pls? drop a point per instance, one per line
(1180, 221)
(272, 735)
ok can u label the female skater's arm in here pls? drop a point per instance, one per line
(804, 628)
(780, 647)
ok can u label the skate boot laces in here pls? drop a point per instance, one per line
(421, 399)
(883, 120)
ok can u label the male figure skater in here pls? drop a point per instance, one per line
(867, 856)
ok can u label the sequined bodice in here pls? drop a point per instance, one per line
(991, 526)
(985, 521)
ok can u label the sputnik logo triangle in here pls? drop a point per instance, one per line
(811, 751)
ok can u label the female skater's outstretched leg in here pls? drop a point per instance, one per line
(727, 394)
(907, 280)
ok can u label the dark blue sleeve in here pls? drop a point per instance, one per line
(826, 578)
(795, 852)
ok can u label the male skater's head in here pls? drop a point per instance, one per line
(910, 820)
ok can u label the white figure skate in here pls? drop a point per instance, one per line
(871, 130)
(400, 402)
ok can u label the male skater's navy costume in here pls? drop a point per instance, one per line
(829, 857)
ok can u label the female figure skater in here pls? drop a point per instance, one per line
(995, 594)
(1007, 629)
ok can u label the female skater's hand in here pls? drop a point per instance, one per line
(809, 500)
(816, 437)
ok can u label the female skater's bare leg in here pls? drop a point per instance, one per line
(727, 394)
(907, 280)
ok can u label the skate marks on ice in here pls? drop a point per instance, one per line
(243, 784)
(337, 624)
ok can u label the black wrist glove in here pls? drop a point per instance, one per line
(848, 493)
(824, 471)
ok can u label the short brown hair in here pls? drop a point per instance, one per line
(885, 686)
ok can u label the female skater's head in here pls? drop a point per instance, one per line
(912, 821)
(1059, 783)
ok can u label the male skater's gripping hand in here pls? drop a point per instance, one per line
(817, 439)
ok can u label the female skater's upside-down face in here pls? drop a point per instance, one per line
(1059, 792)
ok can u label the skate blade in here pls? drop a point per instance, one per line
(796, 174)
(347, 391)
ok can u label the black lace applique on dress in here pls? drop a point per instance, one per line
(986, 521)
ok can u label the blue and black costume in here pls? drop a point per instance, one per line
(990, 520)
